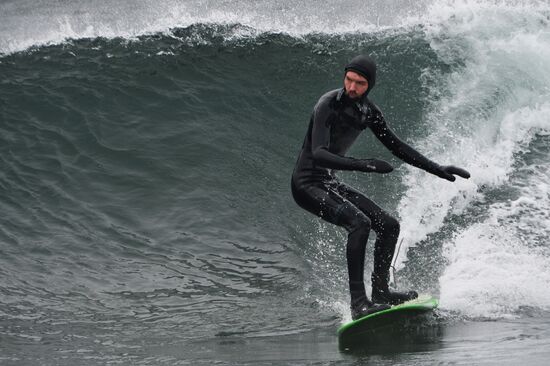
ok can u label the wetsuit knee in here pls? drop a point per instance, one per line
(356, 222)
(392, 226)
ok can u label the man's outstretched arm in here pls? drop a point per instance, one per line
(409, 155)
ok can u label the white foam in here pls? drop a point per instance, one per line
(493, 270)
(483, 114)
(503, 263)
(480, 118)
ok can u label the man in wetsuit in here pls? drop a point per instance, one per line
(338, 119)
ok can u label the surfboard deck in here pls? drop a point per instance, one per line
(376, 322)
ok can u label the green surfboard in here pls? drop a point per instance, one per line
(376, 323)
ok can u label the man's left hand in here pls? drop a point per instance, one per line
(449, 171)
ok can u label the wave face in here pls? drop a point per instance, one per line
(146, 150)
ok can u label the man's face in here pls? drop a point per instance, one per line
(355, 84)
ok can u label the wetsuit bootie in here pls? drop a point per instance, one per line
(383, 295)
(365, 308)
(360, 303)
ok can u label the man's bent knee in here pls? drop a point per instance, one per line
(359, 223)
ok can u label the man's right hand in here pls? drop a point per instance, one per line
(374, 166)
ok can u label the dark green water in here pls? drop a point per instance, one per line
(147, 216)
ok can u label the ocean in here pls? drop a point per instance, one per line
(146, 149)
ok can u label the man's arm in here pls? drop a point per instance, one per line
(408, 154)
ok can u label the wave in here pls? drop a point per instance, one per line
(107, 124)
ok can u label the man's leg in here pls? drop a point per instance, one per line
(327, 203)
(386, 228)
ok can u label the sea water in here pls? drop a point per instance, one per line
(146, 149)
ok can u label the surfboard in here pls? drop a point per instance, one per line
(372, 324)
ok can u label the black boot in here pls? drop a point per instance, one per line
(360, 304)
(365, 308)
(383, 295)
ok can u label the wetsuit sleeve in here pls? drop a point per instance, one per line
(320, 141)
(401, 149)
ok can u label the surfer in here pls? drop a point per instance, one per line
(337, 120)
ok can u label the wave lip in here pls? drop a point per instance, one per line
(24, 24)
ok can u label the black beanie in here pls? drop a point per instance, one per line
(365, 66)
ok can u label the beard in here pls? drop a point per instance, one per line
(353, 96)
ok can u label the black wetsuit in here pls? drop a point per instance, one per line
(335, 124)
